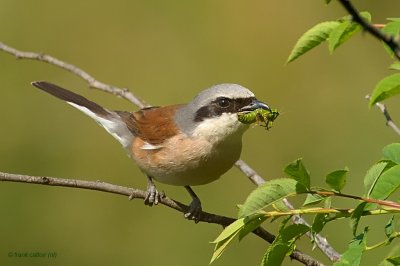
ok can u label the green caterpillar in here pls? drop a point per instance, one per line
(260, 116)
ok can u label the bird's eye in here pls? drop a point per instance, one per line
(223, 102)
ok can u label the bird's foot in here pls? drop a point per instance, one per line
(195, 210)
(153, 196)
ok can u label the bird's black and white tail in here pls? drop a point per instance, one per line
(110, 120)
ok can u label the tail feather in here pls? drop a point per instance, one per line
(71, 97)
(111, 121)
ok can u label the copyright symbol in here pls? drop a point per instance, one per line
(10, 254)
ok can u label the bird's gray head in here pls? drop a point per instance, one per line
(213, 112)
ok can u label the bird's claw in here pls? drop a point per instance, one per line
(195, 210)
(153, 196)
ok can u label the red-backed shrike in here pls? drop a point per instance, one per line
(182, 145)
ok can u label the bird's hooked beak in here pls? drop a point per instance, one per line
(254, 105)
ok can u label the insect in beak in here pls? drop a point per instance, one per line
(258, 112)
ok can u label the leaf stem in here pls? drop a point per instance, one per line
(342, 213)
(387, 203)
(385, 242)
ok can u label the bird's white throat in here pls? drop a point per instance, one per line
(218, 129)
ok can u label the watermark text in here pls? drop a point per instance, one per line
(32, 254)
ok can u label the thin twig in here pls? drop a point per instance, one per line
(374, 31)
(255, 178)
(385, 112)
(126, 94)
(93, 83)
(140, 194)
(387, 203)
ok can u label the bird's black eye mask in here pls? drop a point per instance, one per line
(222, 105)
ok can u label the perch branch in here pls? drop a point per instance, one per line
(140, 194)
(321, 242)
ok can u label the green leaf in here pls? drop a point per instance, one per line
(393, 31)
(298, 172)
(313, 199)
(342, 33)
(283, 244)
(352, 256)
(366, 15)
(372, 176)
(392, 152)
(388, 50)
(386, 88)
(328, 203)
(269, 193)
(280, 206)
(242, 226)
(230, 230)
(292, 232)
(328, 1)
(226, 236)
(390, 232)
(392, 28)
(221, 246)
(312, 38)
(394, 260)
(356, 216)
(389, 228)
(395, 66)
(393, 254)
(251, 223)
(319, 222)
(337, 179)
(387, 183)
(363, 14)
(275, 255)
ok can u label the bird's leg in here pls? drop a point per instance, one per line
(194, 207)
(152, 194)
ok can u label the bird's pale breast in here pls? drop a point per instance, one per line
(186, 161)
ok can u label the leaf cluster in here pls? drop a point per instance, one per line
(336, 33)
(380, 182)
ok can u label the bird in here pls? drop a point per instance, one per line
(182, 144)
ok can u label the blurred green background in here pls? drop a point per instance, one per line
(165, 52)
